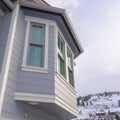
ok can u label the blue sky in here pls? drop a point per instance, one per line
(97, 23)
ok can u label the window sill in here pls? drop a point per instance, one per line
(34, 69)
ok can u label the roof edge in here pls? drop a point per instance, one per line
(71, 27)
(9, 4)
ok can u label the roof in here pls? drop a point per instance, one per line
(7, 5)
(44, 6)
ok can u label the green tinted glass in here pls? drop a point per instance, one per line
(37, 34)
(35, 56)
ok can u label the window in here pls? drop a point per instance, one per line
(61, 56)
(70, 68)
(64, 60)
(36, 45)
(35, 55)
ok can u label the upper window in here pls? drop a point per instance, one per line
(61, 55)
(36, 45)
(35, 56)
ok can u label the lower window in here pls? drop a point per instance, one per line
(60, 65)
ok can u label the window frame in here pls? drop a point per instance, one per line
(24, 66)
(70, 67)
(67, 48)
(60, 54)
(31, 43)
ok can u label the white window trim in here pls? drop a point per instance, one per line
(24, 65)
(67, 65)
(67, 47)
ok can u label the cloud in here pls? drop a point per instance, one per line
(97, 70)
(69, 5)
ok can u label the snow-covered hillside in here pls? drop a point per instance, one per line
(100, 103)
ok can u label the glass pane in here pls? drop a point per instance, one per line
(59, 42)
(60, 45)
(62, 48)
(70, 75)
(37, 34)
(69, 58)
(60, 66)
(35, 56)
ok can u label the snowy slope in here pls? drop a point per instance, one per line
(100, 103)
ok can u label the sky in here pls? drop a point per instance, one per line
(97, 23)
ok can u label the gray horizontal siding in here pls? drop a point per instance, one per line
(22, 81)
(64, 93)
(32, 82)
(10, 108)
(4, 28)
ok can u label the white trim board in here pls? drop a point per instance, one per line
(47, 23)
(65, 106)
(7, 56)
(34, 97)
(1, 118)
(31, 97)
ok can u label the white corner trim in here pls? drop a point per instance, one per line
(1, 118)
(26, 44)
(67, 107)
(34, 97)
(8, 53)
(35, 69)
(46, 46)
(1, 12)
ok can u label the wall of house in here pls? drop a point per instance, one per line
(4, 28)
(66, 94)
(25, 112)
(22, 81)
(31, 82)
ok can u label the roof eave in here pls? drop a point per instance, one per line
(71, 27)
(9, 4)
(60, 11)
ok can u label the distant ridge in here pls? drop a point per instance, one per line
(97, 106)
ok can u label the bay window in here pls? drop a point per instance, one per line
(64, 60)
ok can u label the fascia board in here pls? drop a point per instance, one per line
(41, 7)
(71, 27)
(9, 4)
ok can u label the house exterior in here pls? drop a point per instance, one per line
(37, 47)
